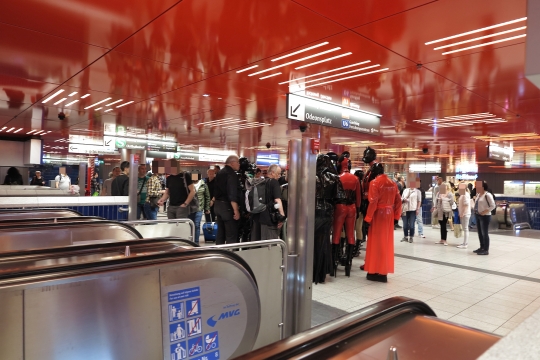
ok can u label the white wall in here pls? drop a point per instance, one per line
(11, 153)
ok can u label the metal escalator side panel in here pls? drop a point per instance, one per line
(7, 214)
(48, 220)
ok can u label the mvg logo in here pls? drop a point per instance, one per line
(225, 315)
(345, 123)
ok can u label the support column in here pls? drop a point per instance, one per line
(134, 158)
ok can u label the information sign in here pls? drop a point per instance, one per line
(325, 113)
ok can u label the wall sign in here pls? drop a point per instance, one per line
(325, 113)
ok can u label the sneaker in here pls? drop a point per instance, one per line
(445, 243)
(406, 239)
(422, 236)
(462, 246)
(435, 227)
(477, 250)
(482, 252)
(440, 242)
(410, 239)
(398, 227)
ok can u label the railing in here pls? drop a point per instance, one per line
(163, 228)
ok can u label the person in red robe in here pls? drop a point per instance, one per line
(384, 207)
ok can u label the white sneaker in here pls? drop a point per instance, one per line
(462, 246)
(435, 227)
(422, 236)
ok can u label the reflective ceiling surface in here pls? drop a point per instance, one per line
(176, 65)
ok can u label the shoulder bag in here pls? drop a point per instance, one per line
(194, 203)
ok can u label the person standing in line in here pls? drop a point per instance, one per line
(396, 179)
(142, 189)
(270, 230)
(153, 192)
(62, 180)
(94, 185)
(411, 200)
(120, 184)
(419, 218)
(472, 221)
(14, 177)
(258, 173)
(443, 202)
(434, 195)
(37, 179)
(203, 194)
(210, 183)
(106, 189)
(485, 203)
(217, 168)
(226, 199)
(464, 208)
(180, 190)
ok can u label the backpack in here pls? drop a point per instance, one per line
(494, 211)
(256, 195)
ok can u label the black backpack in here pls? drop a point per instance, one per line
(494, 211)
(256, 196)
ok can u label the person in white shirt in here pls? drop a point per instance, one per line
(464, 209)
(443, 205)
(482, 208)
(411, 200)
(63, 182)
(434, 194)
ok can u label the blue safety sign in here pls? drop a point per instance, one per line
(177, 331)
(211, 341)
(179, 351)
(184, 294)
(193, 307)
(176, 311)
(210, 356)
(194, 327)
(195, 346)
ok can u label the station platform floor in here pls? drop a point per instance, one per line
(493, 293)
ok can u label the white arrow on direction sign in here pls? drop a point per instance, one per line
(296, 107)
(109, 142)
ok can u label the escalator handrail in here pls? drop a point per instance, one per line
(333, 332)
(18, 211)
(56, 272)
(71, 249)
(72, 224)
(62, 219)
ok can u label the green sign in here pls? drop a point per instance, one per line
(120, 143)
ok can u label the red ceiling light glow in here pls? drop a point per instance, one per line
(73, 93)
(10, 130)
(462, 120)
(16, 131)
(344, 73)
(485, 44)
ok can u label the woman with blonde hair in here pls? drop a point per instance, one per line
(465, 204)
(443, 209)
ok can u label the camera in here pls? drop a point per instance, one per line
(425, 150)
(268, 145)
(61, 116)
(302, 128)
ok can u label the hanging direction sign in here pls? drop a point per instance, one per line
(325, 113)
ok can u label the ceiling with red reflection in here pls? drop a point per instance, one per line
(177, 65)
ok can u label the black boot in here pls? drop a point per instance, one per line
(336, 254)
(350, 251)
(357, 246)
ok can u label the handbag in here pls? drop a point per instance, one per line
(194, 203)
(154, 201)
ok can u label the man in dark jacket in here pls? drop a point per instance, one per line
(37, 179)
(227, 197)
(120, 184)
(211, 183)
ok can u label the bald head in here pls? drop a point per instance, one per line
(233, 161)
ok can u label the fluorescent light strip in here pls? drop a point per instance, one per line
(246, 69)
(59, 101)
(99, 102)
(348, 77)
(73, 102)
(295, 61)
(16, 131)
(468, 115)
(85, 96)
(249, 125)
(486, 44)
(108, 110)
(10, 129)
(476, 31)
(267, 76)
(39, 132)
(321, 61)
(30, 132)
(117, 101)
(344, 73)
(300, 51)
(325, 72)
(52, 96)
(481, 37)
(129, 102)
(461, 117)
(228, 123)
(214, 121)
(99, 108)
(73, 93)
(224, 122)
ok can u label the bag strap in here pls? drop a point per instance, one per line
(144, 182)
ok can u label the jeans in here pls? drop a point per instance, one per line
(151, 213)
(472, 222)
(196, 218)
(443, 223)
(408, 223)
(464, 225)
(483, 225)
(269, 232)
(420, 222)
(140, 211)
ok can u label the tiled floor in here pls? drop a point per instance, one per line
(492, 293)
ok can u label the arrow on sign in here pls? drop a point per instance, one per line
(72, 148)
(293, 111)
(107, 142)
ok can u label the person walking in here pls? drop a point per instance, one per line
(227, 197)
(203, 194)
(485, 203)
(464, 209)
(411, 200)
(443, 208)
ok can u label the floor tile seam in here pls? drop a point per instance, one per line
(519, 311)
(471, 268)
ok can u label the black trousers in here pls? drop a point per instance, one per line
(443, 223)
(483, 226)
(210, 217)
(227, 232)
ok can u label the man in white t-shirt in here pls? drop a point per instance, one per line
(411, 201)
(63, 182)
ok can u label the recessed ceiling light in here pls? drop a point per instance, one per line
(300, 51)
(477, 30)
(205, 95)
(99, 102)
(99, 108)
(480, 38)
(73, 102)
(108, 110)
(52, 96)
(344, 73)
(327, 71)
(85, 96)
(73, 93)
(264, 77)
(16, 131)
(48, 132)
(295, 61)
(115, 102)
(348, 77)
(321, 61)
(10, 129)
(129, 102)
(59, 101)
(219, 98)
(248, 68)
(485, 44)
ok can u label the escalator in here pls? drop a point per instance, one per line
(165, 300)
(48, 220)
(7, 214)
(396, 327)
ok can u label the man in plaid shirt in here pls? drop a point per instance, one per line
(153, 193)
